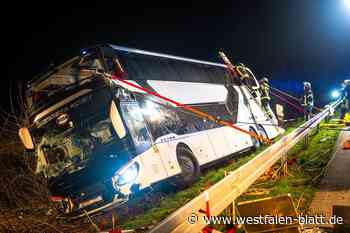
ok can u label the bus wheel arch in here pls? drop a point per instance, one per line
(262, 132)
(255, 141)
(189, 165)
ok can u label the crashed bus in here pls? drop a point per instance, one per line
(99, 141)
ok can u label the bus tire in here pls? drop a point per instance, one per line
(189, 168)
(262, 133)
(256, 143)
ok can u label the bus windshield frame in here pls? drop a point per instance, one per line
(61, 81)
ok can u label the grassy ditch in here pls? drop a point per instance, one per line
(305, 168)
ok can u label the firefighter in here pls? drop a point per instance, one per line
(308, 100)
(247, 78)
(346, 86)
(265, 96)
(344, 107)
(346, 91)
(243, 73)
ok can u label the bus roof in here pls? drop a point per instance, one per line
(144, 52)
(129, 51)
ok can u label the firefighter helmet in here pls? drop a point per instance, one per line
(264, 80)
(241, 64)
(307, 85)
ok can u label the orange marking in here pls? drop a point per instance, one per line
(346, 145)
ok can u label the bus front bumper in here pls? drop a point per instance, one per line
(95, 206)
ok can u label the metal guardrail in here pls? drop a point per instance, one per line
(223, 194)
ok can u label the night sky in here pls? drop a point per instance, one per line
(289, 40)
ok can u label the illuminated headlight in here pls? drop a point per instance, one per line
(127, 176)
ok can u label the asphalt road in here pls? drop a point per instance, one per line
(335, 185)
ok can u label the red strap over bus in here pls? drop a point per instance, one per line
(193, 110)
(292, 97)
(300, 109)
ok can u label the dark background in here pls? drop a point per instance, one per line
(289, 41)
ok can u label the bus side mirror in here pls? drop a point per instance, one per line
(116, 120)
(26, 138)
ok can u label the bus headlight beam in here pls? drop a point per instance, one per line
(127, 176)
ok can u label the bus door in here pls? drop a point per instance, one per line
(142, 140)
(237, 139)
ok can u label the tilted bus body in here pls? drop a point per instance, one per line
(98, 140)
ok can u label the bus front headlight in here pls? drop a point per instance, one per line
(127, 176)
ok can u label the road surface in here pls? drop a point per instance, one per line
(335, 185)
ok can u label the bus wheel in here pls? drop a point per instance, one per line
(262, 133)
(256, 143)
(189, 168)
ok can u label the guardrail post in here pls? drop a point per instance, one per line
(306, 141)
(284, 163)
(230, 210)
(318, 128)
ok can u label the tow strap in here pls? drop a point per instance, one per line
(292, 97)
(197, 112)
(300, 109)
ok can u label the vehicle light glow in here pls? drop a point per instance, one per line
(346, 4)
(127, 177)
(335, 94)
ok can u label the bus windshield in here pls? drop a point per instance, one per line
(67, 141)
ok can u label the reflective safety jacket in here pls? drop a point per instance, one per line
(347, 118)
(308, 98)
(265, 91)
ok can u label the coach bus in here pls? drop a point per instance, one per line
(99, 141)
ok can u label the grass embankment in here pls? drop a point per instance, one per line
(172, 202)
(305, 168)
(155, 212)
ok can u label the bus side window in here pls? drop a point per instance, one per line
(189, 123)
(161, 120)
(231, 103)
(225, 115)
